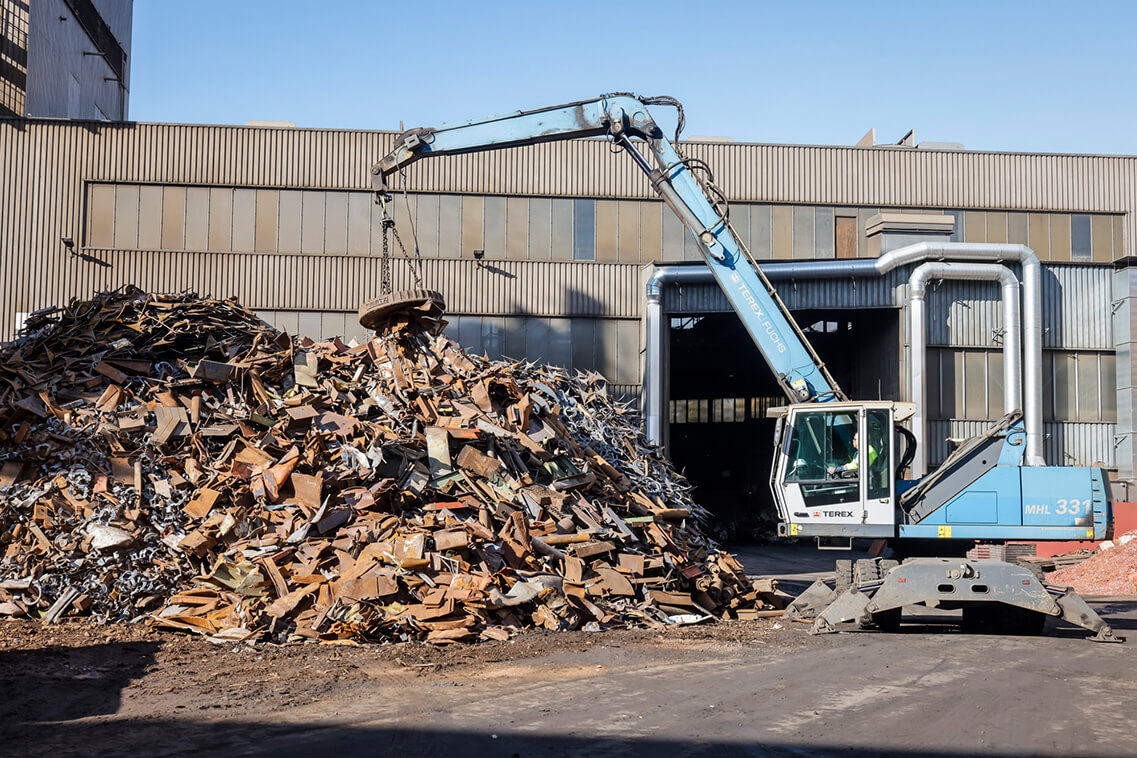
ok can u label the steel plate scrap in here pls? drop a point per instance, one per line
(174, 459)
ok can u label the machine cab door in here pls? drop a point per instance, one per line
(834, 475)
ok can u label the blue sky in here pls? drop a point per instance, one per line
(1024, 76)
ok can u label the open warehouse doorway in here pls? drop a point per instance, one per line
(719, 390)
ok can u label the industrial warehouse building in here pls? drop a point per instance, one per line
(283, 219)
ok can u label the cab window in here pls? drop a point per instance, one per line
(823, 458)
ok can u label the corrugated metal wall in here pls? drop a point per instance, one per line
(47, 166)
(63, 81)
(797, 294)
(1075, 310)
(1066, 443)
(343, 282)
(1076, 304)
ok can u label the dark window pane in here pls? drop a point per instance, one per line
(975, 382)
(995, 385)
(1065, 398)
(876, 454)
(1109, 388)
(584, 230)
(1080, 237)
(957, 230)
(1088, 391)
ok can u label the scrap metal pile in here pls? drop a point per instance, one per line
(1111, 570)
(176, 459)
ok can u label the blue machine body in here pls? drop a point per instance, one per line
(1016, 502)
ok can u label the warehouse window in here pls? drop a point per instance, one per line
(760, 405)
(584, 230)
(845, 236)
(1081, 242)
(1077, 386)
(718, 410)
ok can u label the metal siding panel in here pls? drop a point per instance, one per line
(540, 228)
(560, 343)
(761, 241)
(173, 218)
(584, 341)
(150, 217)
(220, 219)
(290, 217)
(426, 225)
(651, 231)
(359, 223)
(312, 222)
(562, 230)
(607, 230)
(782, 233)
(472, 224)
(628, 352)
(673, 233)
(537, 336)
(244, 220)
(197, 218)
(629, 231)
(335, 223)
(126, 216)
(515, 336)
(803, 229)
(1077, 307)
(449, 226)
(494, 231)
(517, 228)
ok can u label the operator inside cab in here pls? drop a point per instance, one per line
(854, 463)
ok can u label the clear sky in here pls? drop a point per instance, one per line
(1021, 76)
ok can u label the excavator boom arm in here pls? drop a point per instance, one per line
(623, 118)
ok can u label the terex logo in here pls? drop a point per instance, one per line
(763, 320)
(838, 514)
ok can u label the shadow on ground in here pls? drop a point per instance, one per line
(172, 738)
(57, 683)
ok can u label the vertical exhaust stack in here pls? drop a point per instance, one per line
(1012, 350)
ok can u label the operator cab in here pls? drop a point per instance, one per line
(833, 469)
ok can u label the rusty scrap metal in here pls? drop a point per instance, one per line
(173, 458)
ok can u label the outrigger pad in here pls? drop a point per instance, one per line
(810, 604)
(849, 606)
(1077, 612)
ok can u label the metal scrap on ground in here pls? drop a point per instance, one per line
(172, 458)
(1111, 570)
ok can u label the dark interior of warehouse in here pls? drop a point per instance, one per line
(720, 388)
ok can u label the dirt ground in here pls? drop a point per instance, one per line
(76, 673)
(730, 688)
